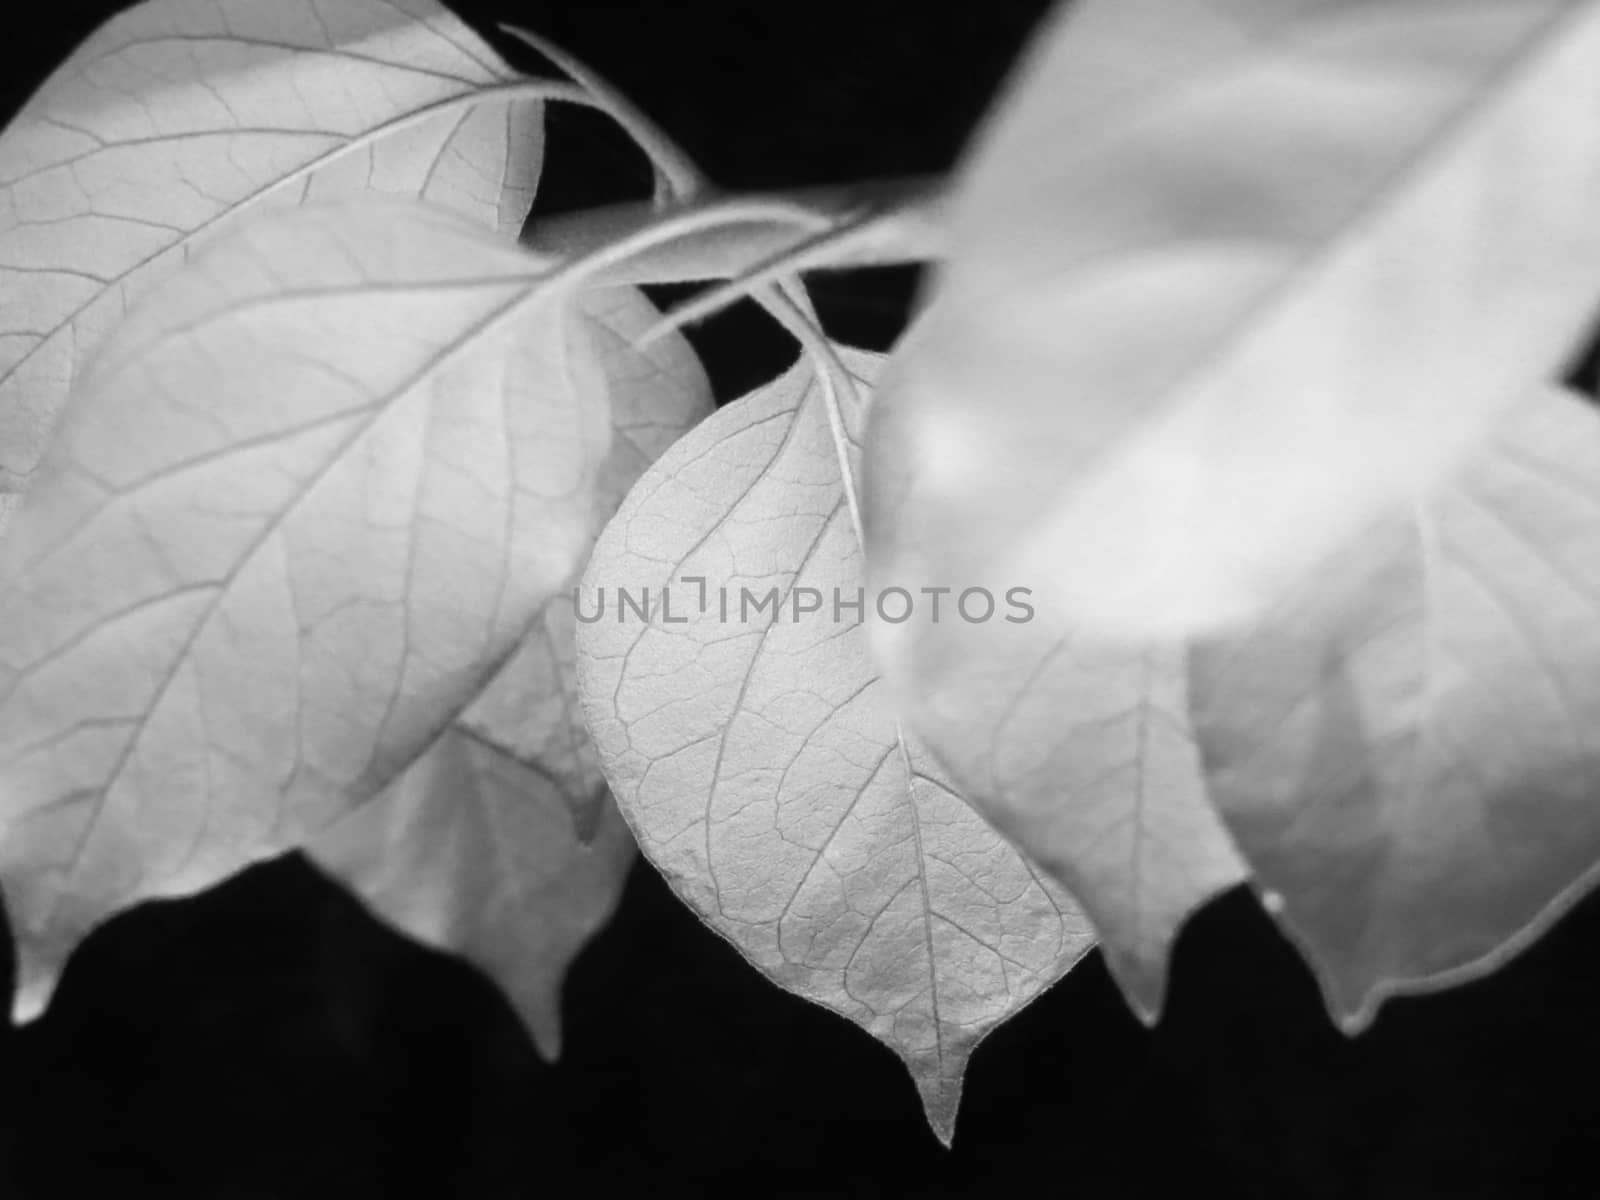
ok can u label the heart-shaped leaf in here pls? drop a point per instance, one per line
(306, 499)
(756, 756)
(502, 842)
(1227, 278)
(1408, 749)
(178, 117)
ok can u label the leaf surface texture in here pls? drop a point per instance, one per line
(310, 496)
(502, 842)
(178, 118)
(1081, 751)
(761, 765)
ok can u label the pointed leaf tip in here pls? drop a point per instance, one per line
(941, 1103)
(37, 976)
(764, 768)
(1080, 751)
(1143, 983)
(502, 843)
(296, 540)
(1428, 703)
(544, 1027)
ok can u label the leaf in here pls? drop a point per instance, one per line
(762, 768)
(1081, 752)
(502, 842)
(308, 497)
(475, 852)
(179, 117)
(1228, 279)
(1407, 750)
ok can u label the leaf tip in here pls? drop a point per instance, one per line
(1143, 982)
(1353, 1011)
(943, 1124)
(940, 1091)
(1353, 1024)
(544, 1027)
(37, 976)
(535, 997)
(1351, 993)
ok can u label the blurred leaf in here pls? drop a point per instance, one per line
(178, 117)
(1227, 279)
(475, 852)
(1407, 750)
(306, 500)
(1081, 752)
(502, 842)
(762, 767)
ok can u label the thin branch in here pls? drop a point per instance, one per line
(835, 379)
(868, 220)
(872, 239)
(678, 177)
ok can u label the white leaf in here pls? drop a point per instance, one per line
(306, 498)
(1080, 751)
(762, 767)
(475, 852)
(1407, 750)
(178, 117)
(1227, 279)
(502, 842)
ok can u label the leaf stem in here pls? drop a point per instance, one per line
(837, 383)
(870, 223)
(862, 225)
(878, 238)
(895, 217)
(678, 177)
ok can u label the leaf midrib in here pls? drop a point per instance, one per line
(381, 408)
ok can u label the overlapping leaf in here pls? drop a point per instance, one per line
(1226, 278)
(1408, 750)
(1081, 751)
(178, 117)
(502, 842)
(762, 768)
(307, 498)
(477, 852)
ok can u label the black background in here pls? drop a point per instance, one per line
(270, 1040)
